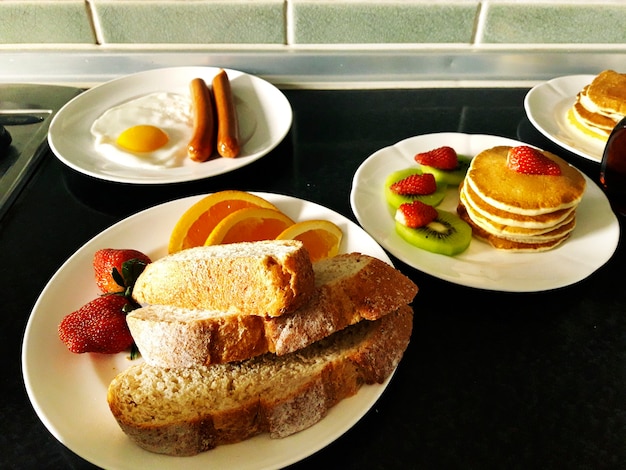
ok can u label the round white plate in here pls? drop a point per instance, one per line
(68, 391)
(592, 243)
(546, 107)
(264, 113)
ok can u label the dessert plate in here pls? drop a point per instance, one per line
(592, 243)
(546, 107)
(264, 113)
(68, 391)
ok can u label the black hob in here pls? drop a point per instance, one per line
(25, 114)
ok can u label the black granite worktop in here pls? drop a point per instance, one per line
(490, 380)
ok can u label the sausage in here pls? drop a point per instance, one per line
(202, 141)
(227, 121)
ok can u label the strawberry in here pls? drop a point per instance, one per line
(530, 161)
(117, 269)
(415, 214)
(415, 184)
(444, 158)
(98, 326)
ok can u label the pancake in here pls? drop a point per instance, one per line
(600, 105)
(608, 93)
(483, 220)
(596, 123)
(515, 211)
(505, 244)
(498, 186)
(584, 127)
(516, 223)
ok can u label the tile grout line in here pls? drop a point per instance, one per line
(95, 22)
(289, 23)
(479, 27)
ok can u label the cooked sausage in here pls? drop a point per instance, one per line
(227, 121)
(202, 143)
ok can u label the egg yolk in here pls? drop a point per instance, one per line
(143, 138)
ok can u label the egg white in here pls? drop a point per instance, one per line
(171, 112)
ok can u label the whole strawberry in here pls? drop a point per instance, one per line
(98, 326)
(117, 269)
(444, 158)
(530, 161)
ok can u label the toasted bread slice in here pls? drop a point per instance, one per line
(267, 278)
(349, 288)
(187, 411)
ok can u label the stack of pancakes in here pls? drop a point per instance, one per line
(600, 105)
(517, 211)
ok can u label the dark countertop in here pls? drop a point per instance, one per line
(490, 380)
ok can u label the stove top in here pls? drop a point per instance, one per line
(25, 114)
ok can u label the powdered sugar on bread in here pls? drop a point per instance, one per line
(186, 411)
(267, 278)
(248, 341)
(349, 288)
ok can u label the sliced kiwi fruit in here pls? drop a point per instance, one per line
(451, 177)
(446, 235)
(395, 200)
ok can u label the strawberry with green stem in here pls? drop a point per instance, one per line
(116, 269)
(100, 325)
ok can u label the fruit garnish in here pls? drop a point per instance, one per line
(415, 184)
(444, 158)
(321, 238)
(117, 269)
(98, 326)
(447, 234)
(394, 199)
(195, 225)
(449, 177)
(249, 225)
(415, 214)
(530, 161)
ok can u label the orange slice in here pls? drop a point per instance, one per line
(197, 223)
(249, 225)
(321, 238)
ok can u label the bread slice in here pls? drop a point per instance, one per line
(187, 411)
(349, 288)
(267, 278)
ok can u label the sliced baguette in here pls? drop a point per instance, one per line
(187, 411)
(349, 288)
(267, 278)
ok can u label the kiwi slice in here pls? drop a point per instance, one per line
(451, 177)
(395, 200)
(446, 235)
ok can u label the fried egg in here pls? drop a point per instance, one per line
(147, 132)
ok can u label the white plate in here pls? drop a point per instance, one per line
(592, 243)
(265, 117)
(546, 107)
(68, 391)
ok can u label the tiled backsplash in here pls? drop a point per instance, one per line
(389, 29)
(305, 22)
